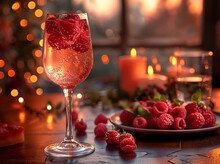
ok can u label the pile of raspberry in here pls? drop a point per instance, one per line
(125, 141)
(166, 115)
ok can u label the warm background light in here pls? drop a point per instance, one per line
(14, 92)
(2, 63)
(11, 73)
(31, 5)
(38, 13)
(105, 59)
(16, 6)
(23, 23)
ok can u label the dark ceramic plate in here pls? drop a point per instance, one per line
(115, 120)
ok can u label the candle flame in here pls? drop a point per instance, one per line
(150, 71)
(173, 61)
(133, 52)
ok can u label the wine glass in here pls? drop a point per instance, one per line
(67, 60)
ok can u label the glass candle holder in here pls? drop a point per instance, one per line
(194, 72)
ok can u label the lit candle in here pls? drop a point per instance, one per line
(132, 68)
(180, 69)
(152, 79)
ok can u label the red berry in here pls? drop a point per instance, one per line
(165, 121)
(192, 108)
(195, 120)
(101, 118)
(74, 115)
(80, 125)
(210, 119)
(56, 41)
(152, 122)
(126, 117)
(169, 104)
(159, 108)
(72, 17)
(111, 137)
(128, 145)
(69, 31)
(82, 43)
(179, 123)
(100, 130)
(178, 111)
(150, 103)
(140, 122)
(125, 135)
(52, 25)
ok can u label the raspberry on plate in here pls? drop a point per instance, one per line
(80, 125)
(165, 121)
(152, 122)
(140, 122)
(179, 123)
(195, 120)
(126, 117)
(192, 108)
(101, 118)
(111, 137)
(210, 119)
(128, 145)
(178, 111)
(159, 108)
(100, 130)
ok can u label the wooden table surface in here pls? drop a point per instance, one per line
(42, 130)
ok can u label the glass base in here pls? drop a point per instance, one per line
(69, 149)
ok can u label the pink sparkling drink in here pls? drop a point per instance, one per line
(68, 60)
(68, 55)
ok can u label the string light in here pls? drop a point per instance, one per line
(40, 69)
(11, 73)
(38, 13)
(33, 78)
(23, 22)
(37, 53)
(41, 43)
(20, 100)
(30, 37)
(14, 92)
(49, 107)
(16, 6)
(42, 26)
(31, 5)
(2, 63)
(39, 91)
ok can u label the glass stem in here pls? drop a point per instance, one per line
(69, 126)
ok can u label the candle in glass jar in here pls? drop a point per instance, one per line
(132, 68)
(152, 79)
